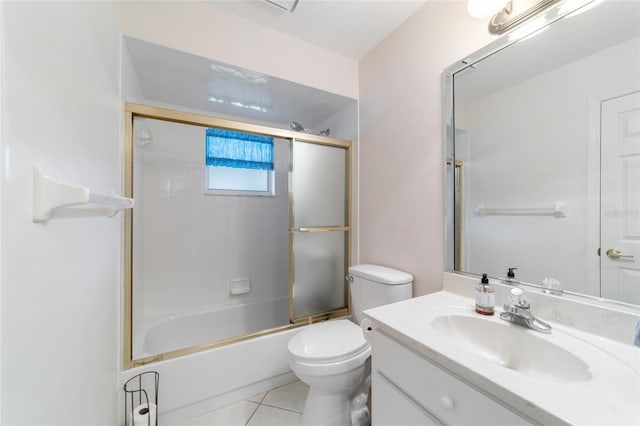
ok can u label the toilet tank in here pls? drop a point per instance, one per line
(374, 285)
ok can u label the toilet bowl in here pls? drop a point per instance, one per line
(332, 357)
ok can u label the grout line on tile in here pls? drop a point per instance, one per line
(253, 413)
(281, 408)
(263, 397)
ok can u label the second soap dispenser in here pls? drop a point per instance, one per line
(485, 297)
(511, 276)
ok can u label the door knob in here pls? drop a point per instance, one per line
(617, 254)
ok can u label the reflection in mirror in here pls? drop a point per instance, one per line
(546, 136)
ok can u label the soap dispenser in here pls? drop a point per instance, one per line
(485, 297)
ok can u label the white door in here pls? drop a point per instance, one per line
(620, 199)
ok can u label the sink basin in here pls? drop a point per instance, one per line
(513, 347)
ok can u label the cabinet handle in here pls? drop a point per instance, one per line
(446, 402)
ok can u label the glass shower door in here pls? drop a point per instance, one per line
(319, 232)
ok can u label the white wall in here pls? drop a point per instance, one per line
(60, 280)
(131, 87)
(535, 160)
(401, 142)
(191, 245)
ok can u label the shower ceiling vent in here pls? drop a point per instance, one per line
(286, 5)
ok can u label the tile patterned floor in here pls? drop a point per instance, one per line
(278, 407)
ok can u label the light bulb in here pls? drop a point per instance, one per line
(483, 9)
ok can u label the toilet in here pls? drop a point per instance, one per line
(332, 357)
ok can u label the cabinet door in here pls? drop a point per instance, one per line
(436, 390)
(392, 407)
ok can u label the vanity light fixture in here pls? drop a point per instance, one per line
(513, 13)
(286, 5)
(516, 12)
(530, 29)
(483, 9)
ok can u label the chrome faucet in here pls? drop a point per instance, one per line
(519, 312)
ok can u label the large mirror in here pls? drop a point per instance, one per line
(543, 150)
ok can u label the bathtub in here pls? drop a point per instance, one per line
(193, 384)
(173, 332)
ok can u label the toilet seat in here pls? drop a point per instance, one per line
(331, 347)
(327, 341)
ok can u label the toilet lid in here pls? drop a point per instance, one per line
(328, 340)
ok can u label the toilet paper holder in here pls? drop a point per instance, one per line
(141, 399)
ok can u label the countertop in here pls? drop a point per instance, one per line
(610, 396)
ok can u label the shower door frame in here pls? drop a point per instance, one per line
(133, 110)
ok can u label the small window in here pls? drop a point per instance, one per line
(238, 163)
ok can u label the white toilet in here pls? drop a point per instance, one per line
(331, 356)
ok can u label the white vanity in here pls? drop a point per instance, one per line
(435, 361)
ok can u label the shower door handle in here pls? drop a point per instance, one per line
(324, 229)
(617, 254)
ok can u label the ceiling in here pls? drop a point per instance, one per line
(347, 27)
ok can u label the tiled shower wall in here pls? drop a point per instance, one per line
(189, 245)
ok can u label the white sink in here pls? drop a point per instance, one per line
(512, 346)
(569, 376)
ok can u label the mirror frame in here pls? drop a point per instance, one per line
(529, 29)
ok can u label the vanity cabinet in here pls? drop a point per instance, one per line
(409, 389)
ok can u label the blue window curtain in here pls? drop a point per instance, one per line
(227, 148)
